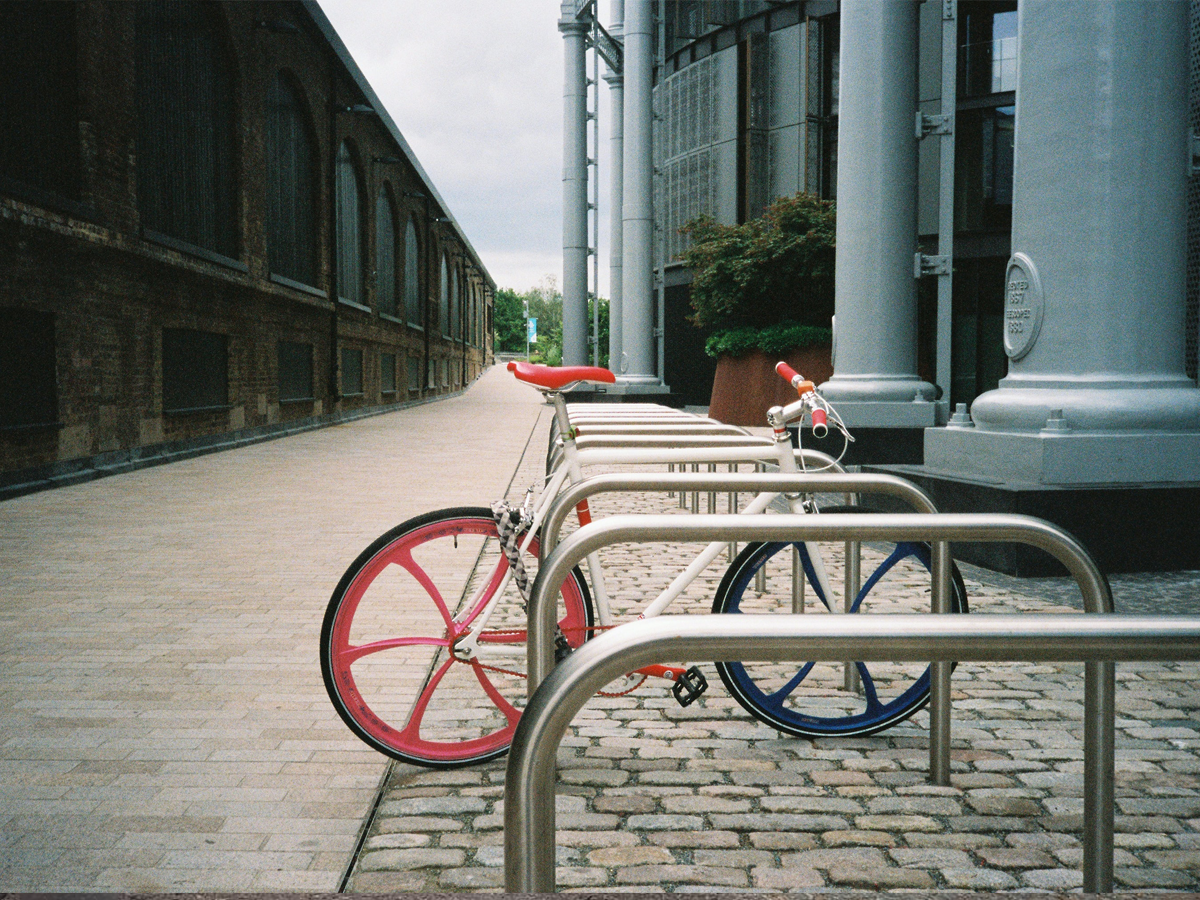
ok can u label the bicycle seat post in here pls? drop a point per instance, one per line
(560, 413)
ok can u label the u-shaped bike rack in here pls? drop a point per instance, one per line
(529, 817)
(942, 639)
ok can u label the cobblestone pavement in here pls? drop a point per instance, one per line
(657, 797)
(163, 726)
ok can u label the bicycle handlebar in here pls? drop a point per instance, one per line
(808, 394)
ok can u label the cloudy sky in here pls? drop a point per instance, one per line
(475, 87)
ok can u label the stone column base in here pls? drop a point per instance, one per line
(1064, 457)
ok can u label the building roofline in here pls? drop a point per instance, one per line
(321, 21)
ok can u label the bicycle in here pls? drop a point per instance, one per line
(423, 640)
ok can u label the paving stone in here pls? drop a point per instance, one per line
(897, 823)
(629, 856)
(1014, 857)
(929, 858)
(418, 858)
(880, 879)
(789, 879)
(864, 857)
(979, 879)
(1052, 879)
(693, 839)
(682, 874)
(652, 822)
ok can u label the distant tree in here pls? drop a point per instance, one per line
(510, 321)
(544, 303)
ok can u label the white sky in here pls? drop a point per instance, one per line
(475, 87)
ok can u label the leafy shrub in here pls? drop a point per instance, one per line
(776, 268)
(772, 340)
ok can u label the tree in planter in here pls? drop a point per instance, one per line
(765, 290)
(755, 281)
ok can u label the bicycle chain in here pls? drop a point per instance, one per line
(516, 674)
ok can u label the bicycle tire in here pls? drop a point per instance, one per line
(388, 629)
(771, 691)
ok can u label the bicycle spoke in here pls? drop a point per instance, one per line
(412, 728)
(350, 654)
(405, 561)
(784, 692)
(510, 712)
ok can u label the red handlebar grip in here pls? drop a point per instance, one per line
(819, 420)
(786, 372)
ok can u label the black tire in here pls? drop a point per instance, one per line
(771, 692)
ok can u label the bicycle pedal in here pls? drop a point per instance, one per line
(690, 685)
(562, 648)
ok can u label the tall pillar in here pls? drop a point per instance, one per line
(875, 381)
(575, 177)
(616, 99)
(637, 363)
(1094, 292)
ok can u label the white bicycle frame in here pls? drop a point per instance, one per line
(570, 470)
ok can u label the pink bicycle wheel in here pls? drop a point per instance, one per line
(392, 643)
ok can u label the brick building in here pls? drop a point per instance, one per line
(211, 232)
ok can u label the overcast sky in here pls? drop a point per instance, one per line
(475, 87)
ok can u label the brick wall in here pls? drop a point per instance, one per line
(112, 291)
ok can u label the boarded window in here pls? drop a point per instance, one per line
(291, 185)
(352, 372)
(412, 286)
(349, 229)
(27, 359)
(295, 371)
(39, 118)
(387, 373)
(385, 253)
(186, 169)
(195, 370)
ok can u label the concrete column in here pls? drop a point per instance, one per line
(874, 381)
(616, 98)
(575, 178)
(637, 363)
(1094, 293)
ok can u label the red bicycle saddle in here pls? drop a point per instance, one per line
(554, 377)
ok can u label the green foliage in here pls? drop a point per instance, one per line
(775, 340)
(509, 318)
(776, 268)
(545, 305)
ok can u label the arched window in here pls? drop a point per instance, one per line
(39, 98)
(385, 253)
(349, 229)
(186, 161)
(412, 286)
(291, 185)
(456, 306)
(444, 298)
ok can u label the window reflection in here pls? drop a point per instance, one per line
(987, 56)
(984, 168)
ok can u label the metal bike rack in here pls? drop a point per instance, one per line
(775, 482)
(529, 816)
(936, 528)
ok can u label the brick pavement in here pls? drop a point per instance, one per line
(163, 726)
(166, 729)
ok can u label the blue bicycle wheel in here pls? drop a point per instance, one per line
(814, 700)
